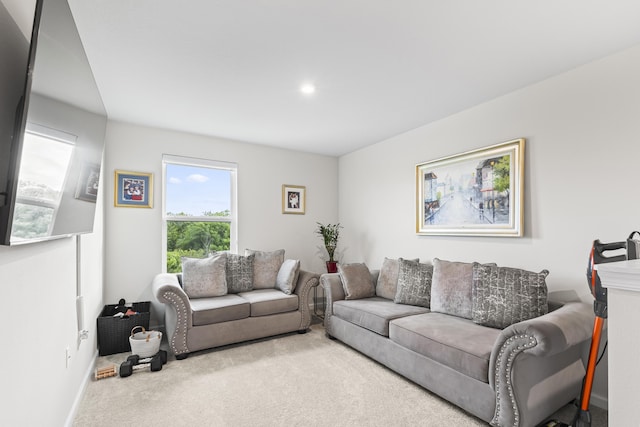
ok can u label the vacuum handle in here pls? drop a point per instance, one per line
(611, 246)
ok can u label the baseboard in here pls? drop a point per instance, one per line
(76, 402)
(599, 401)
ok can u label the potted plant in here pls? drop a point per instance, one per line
(330, 234)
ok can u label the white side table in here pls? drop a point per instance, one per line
(622, 280)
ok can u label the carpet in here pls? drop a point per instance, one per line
(293, 379)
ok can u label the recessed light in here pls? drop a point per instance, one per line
(308, 89)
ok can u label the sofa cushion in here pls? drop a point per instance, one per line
(265, 267)
(414, 283)
(451, 288)
(288, 276)
(205, 277)
(503, 296)
(452, 341)
(373, 313)
(219, 309)
(356, 281)
(387, 283)
(269, 301)
(239, 273)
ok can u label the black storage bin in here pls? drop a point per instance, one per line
(114, 332)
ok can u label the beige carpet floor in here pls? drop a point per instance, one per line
(292, 380)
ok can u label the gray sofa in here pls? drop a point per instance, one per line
(512, 376)
(198, 323)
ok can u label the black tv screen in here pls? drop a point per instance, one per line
(53, 125)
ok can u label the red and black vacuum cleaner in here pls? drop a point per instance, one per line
(597, 256)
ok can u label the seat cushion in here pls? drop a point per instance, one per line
(452, 341)
(219, 309)
(373, 313)
(269, 301)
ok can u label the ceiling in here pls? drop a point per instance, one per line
(232, 69)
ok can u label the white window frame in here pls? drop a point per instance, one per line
(231, 219)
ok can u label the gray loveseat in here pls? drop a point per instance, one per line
(507, 375)
(243, 300)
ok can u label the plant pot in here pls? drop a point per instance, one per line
(332, 267)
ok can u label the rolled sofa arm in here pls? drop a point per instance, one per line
(333, 291)
(545, 339)
(178, 315)
(306, 281)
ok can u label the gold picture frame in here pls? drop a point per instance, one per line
(477, 193)
(133, 189)
(294, 199)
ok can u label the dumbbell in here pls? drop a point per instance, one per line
(134, 363)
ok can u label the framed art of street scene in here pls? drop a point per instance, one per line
(477, 193)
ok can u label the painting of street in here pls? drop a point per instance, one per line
(475, 193)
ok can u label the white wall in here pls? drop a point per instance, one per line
(580, 177)
(39, 292)
(133, 235)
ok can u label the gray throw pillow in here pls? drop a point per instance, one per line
(239, 273)
(451, 288)
(414, 283)
(288, 276)
(356, 281)
(265, 267)
(387, 284)
(205, 277)
(503, 296)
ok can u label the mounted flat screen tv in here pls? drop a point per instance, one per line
(52, 123)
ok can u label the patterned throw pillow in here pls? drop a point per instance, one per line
(205, 277)
(503, 296)
(387, 284)
(239, 273)
(414, 283)
(265, 267)
(451, 288)
(288, 276)
(356, 281)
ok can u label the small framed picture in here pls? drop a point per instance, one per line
(87, 186)
(133, 189)
(293, 199)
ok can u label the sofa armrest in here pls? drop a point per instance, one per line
(333, 291)
(178, 314)
(556, 340)
(306, 281)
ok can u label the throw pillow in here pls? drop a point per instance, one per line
(239, 273)
(204, 277)
(265, 267)
(288, 276)
(503, 296)
(356, 281)
(451, 288)
(387, 283)
(414, 283)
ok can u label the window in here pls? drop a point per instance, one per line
(199, 208)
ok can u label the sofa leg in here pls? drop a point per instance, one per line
(302, 331)
(326, 334)
(181, 356)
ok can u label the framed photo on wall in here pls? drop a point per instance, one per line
(133, 189)
(477, 193)
(293, 199)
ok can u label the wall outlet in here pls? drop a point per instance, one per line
(67, 357)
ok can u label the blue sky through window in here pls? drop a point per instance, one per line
(195, 190)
